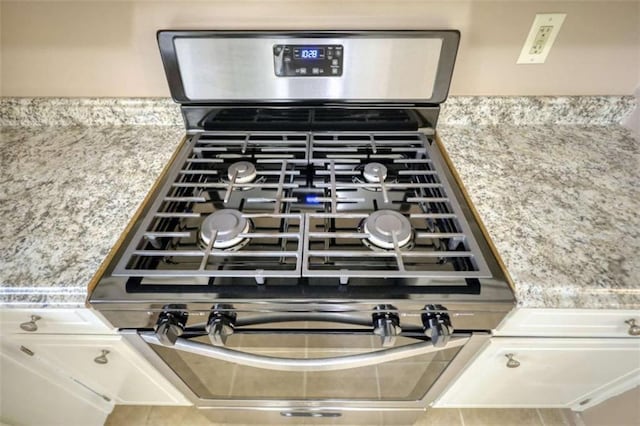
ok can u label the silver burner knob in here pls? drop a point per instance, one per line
(220, 324)
(170, 326)
(374, 172)
(386, 325)
(437, 325)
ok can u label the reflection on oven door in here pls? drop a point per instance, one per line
(370, 375)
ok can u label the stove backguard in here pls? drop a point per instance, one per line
(318, 67)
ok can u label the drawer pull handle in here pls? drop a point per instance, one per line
(102, 358)
(512, 363)
(27, 350)
(634, 329)
(31, 325)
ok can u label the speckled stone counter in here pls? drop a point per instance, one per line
(560, 202)
(457, 110)
(562, 205)
(66, 194)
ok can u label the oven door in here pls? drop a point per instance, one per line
(297, 366)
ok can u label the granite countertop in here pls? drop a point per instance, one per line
(560, 203)
(66, 195)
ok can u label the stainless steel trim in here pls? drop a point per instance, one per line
(217, 67)
(306, 365)
(309, 413)
(378, 417)
(466, 311)
(464, 358)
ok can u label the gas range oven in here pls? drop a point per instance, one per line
(308, 255)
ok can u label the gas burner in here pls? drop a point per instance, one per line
(244, 172)
(374, 172)
(371, 173)
(382, 224)
(227, 224)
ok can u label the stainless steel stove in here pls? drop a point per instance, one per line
(309, 228)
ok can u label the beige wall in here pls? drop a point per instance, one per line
(93, 48)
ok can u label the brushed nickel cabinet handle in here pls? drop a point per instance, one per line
(512, 363)
(634, 329)
(102, 358)
(31, 325)
(27, 350)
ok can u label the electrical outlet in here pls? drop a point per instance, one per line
(540, 39)
(543, 33)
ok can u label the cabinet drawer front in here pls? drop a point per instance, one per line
(52, 321)
(569, 323)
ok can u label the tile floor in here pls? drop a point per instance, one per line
(124, 415)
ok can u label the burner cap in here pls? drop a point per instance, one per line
(229, 223)
(381, 225)
(372, 172)
(244, 170)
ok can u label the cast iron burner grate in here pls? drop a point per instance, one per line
(337, 243)
(305, 210)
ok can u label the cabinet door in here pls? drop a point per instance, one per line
(545, 372)
(32, 394)
(106, 364)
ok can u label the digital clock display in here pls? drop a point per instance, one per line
(307, 60)
(311, 53)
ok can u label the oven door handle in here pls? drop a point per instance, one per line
(305, 365)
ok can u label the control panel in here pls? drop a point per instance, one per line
(293, 60)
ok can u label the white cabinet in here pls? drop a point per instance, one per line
(52, 321)
(550, 372)
(68, 366)
(570, 323)
(32, 393)
(105, 364)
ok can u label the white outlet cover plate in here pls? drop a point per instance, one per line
(542, 19)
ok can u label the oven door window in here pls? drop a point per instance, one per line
(406, 378)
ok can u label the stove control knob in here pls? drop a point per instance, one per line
(437, 325)
(278, 55)
(386, 325)
(220, 325)
(170, 326)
